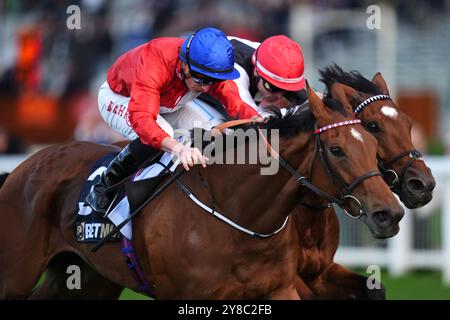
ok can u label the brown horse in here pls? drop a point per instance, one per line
(185, 253)
(402, 165)
(392, 128)
(316, 253)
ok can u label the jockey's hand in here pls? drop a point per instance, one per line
(189, 156)
(215, 132)
(259, 119)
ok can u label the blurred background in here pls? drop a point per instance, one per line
(50, 74)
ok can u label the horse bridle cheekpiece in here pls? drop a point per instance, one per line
(348, 188)
(386, 166)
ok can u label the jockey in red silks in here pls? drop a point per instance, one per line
(271, 73)
(158, 77)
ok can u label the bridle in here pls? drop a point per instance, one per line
(345, 193)
(386, 167)
(398, 178)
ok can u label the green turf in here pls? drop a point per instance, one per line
(420, 285)
(128, 294)
(415, 285)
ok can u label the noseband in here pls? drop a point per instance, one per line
(386, 166)
(398, 178)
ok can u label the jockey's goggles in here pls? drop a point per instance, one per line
(270, 87)
(203, 80)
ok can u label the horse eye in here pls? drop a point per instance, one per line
(337, 151)
(373, 127)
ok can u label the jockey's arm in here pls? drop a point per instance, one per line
(143, 120)
(237, 101)
(144, 109)
(143, 112)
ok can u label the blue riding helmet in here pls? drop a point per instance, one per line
(209, 52)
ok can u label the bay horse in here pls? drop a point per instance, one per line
(401, 164)
(185, 253)
(413, 182)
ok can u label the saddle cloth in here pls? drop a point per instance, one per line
(91, 226)
(122, 210)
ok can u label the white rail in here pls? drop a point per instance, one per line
(400, 255)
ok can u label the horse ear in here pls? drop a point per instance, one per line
(316, 104)
(379, 81)
(345, 95)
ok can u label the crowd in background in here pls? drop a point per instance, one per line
(40, 56)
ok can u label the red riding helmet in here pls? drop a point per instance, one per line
(279, 60)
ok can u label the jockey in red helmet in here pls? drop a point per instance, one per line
(271, 73)
(162, 76)
(279, 67)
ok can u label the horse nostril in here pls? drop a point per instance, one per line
(386, 218)
(382, 218)
(416, 186)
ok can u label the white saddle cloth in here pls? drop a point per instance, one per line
(122, 210)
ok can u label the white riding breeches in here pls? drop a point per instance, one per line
(195, 113)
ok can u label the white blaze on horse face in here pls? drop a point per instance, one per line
(356, 135)
(389, 112)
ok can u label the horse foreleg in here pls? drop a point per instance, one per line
(303, 290)
(18, 279)
(92, 285)
(338, 282)
(22, 261)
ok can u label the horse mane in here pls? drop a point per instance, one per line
(353, 79)
(299, 119)
(294, 121)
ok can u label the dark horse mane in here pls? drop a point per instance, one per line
(296, 120)
(353, 79)
(299, 119)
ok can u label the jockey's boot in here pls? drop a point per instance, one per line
(122, 166)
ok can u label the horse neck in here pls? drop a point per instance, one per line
(261, 202)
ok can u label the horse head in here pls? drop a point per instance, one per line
(349, 158)
(401, 164)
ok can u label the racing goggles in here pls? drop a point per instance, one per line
(203, 80)
(270, 87)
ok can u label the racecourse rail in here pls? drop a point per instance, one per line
(399, 254)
